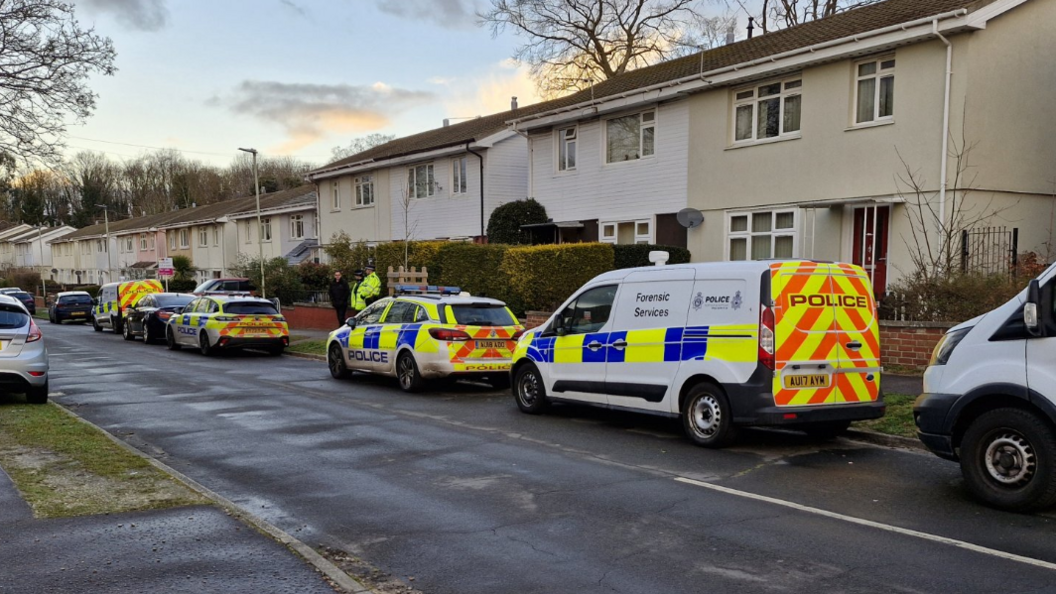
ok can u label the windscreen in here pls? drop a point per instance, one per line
(250, 308)
(75, 300)
(172, 300)
(483, 315)
(203, 287)
(12, 318)
(22, 296)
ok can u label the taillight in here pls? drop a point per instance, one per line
(164, 315)
(226, 318)
(446, 334)
(766, 337)
(34, 332)
(517, 335)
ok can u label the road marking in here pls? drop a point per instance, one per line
(851, 519)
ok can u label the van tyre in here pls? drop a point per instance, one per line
(203, 344)
(407, 372)
(529, 390)
(335, 360)
(115, 325)
(37, 394)
(126, 332)
(95, 325)
(707, 418)
(170, 340)
(827, 430)
(1008, 457)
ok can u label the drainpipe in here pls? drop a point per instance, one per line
(945, 127)
(481, 158)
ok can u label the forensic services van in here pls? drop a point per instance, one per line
(115, 298)
(786, 343)
(989, 400)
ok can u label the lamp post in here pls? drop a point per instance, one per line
(43, 283)
(109, 267)
(260, 226)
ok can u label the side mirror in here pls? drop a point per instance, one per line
(178, 310)
(350, 322)
(95, 301)
(1030, 309)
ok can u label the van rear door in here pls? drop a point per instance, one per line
(858, 377)
(805, 335)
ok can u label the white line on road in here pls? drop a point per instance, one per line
(903, 531)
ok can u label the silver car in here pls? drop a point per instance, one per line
(23, 356)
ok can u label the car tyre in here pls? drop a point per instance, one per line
(37, 394)
(126, 331)
(95, 324)
(827, 430)
(51, 318)
(529, 390)
(1008, 459)
(147, 338)
(203, 344)
(707, 418)
(407, 373)
(170, 340)
(335, 360)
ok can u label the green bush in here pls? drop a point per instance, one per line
(543, 276)
(635, 255)
(315, 277)
(175, 285)
(282, 280)
(504, 225)
(26, 279)
(478, 269)
(348, 256)
(953, 298)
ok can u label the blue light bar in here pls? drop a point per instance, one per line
(427, 289)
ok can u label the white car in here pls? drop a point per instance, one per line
(23, 356)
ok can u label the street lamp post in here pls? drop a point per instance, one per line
(43, 283)
(109, 266)
(260, 226)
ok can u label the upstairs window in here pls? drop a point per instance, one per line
(630, 137)
(185, 238)
(216, 235)
(566, 149)
(129, 244)
(142, 243)
(265, 229)
(420, 182)
(458, 176)
(335, 196)
(364, 190)
(297, 226)
(767, 111)
(875, 91)
(203, 237)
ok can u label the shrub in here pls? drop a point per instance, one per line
(478, 269)
(953, 298)
(347, 256)
(315, 277)
(175, 285)
(504, 225)
(635, 255)
(281, 279)
(26, 279)
(543, 276)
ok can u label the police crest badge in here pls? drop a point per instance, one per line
(698, 301)
(737, 301)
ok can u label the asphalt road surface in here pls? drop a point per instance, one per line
(465, 494)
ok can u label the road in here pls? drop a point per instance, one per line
(465, 494)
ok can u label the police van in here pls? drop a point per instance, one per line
(721, 345)
(115, 298)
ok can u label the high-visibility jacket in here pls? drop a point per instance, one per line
(358, 302)
(370, 288)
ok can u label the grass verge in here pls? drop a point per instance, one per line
(899, 417)
(311, 347)
(64, 467)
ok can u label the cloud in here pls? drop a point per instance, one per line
(145, 15)
(310, 112)
(490, 92)
(454, 14)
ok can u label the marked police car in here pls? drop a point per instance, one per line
(215, 322)
(792, 343)
(437, 333)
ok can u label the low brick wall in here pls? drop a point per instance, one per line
(534, 319)
(909, 344)
(310, 317)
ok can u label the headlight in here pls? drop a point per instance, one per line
(944, 349)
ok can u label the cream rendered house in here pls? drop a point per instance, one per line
(287, 223)
(33, 250)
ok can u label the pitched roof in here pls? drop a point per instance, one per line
(301, 195)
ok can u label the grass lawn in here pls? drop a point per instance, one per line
(64, 467)
(899, 417)
(311, 347)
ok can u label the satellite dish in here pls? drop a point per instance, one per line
(690, 217)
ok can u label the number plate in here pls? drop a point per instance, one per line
(77, 313)
(800, 382)
(491, 344)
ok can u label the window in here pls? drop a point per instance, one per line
(875, 91)
(401, 312)
(129, 244)
(372, 314)
(762, 235)
(335, 196)
(203, 237)
(767, 111)
(249, 231)
(630, 137)
(265, 229)
(216, 235)
(100, 245)
(151, 238)
(458, 181)
(627, 232)
(566, 149)
(588, 313)
(172, 240)
(185, 238)
(364, 190)
(297, 226)
(420, 181)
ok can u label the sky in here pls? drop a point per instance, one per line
(289, 77)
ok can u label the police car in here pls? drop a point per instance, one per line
(213, 322)
(427, 333)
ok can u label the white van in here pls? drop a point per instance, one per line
(989, 400)
(789, 343)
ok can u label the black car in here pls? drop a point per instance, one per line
(26, 299)
(149, 316)
(70, 305)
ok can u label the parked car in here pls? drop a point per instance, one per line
(225, 285)
(70, 305)
(115, 298)
(150, 315)
(27, 299)
(223, 322)
(6, 290)
(23, 356)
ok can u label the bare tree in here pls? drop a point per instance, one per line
(772, 15)
(406, 205)
(573, 43)
(358, 145)
(45, 62)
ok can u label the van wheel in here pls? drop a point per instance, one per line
(95, 324)
(336, 362)
(37, 394)
(115, 325)
(126, 331)
(529, 390)
(407, 372)
(1007, 458)
(170, 340)
(828, 430)
(707, 418)
(203, 344)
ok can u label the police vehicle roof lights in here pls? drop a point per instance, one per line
(427, 290)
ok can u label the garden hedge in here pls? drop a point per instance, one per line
(478, 269)
(635, 255)
(504, 225)
(543, 276)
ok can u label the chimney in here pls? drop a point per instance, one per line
(447, 122)
(751, 26)
(731, 33)
(513, 103)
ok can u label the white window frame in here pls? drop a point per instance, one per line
(335, 196)
(143, 242)
(151, 240)
(100, 246)
(566, 138)
(643, 125)
(880, 74)
(609, 231)
(749, 96)
(296, 226)
(265, 229)
(185, 238)
(216, 235)
(459, 173)
(364, 186)
(203, 237)
(172, 240)
(749, 235)
(249, 231)
(130, 244)
(412, 179)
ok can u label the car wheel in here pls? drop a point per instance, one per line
(126, 331)
(407, 373)
(335, 360)
(95, 324)
(147, 338)
(828, 430)
(203, 344)
(1008, 457)
(37, 394)
(170, 340)
(51, 318)
(707, 418)
(529, 390)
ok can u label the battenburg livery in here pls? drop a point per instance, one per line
(718, 344)
(216, 322)
(115, 299)
(437, 333)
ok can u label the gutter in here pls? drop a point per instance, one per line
(944, 162)
(481, 158)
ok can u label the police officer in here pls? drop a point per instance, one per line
(339, 296)
(358, 302)
(371, 286)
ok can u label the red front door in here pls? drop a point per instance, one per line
(870, 244)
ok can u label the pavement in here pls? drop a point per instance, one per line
(195, 549)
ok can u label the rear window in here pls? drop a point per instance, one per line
(12, 318)
(246, 308)
(23, 296)
(206, 286)
(75, 300)
(482, 315)
(172, 300)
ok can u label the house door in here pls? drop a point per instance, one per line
(870, 244)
